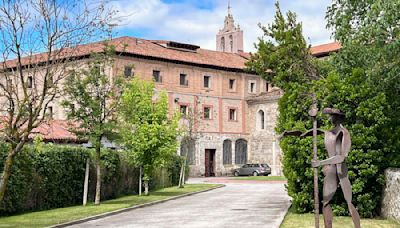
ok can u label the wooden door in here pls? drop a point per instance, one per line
(209, 162)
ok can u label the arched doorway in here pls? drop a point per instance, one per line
(241, 151)
(188, 149)
(227, 152)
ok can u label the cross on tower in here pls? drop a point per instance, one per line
(229, 7)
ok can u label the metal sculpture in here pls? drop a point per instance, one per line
(337, 143)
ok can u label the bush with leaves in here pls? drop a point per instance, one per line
(343, 82)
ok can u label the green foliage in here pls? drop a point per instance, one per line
(91, 97)
(361, 80)
(147, 131)
(283, 50)
(38, 174)
(41, 169)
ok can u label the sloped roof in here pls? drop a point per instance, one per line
(166, 50)
(55, 130)
(325, 49)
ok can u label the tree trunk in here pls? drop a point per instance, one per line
(98, 174)
(146, 187)
(180, 185)
(140, 181)
(184, 171)
(86, 183)
(5, 175)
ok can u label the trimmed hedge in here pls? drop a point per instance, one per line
(51, 176)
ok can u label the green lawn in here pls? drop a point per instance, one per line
(62, 215)
(293, 220)
(262, 178)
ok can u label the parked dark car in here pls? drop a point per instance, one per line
(253, 169)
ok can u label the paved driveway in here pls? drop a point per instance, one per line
(236, 205)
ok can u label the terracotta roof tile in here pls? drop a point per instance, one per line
(159, 49)
(55, 130)
(325, 49)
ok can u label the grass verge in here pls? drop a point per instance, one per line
(293, 220)
(262, 178)
(62, 215)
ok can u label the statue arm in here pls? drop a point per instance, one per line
(310, 132)
(301, 134)
(330, 161)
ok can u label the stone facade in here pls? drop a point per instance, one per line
(391, 195)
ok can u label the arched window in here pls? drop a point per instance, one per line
(260, 120)
(223, 43)
(227, 152)
(240, 151)
(231, 43)
(188, 149)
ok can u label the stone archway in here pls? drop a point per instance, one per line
(241, 151)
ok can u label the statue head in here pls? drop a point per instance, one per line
(336, 116)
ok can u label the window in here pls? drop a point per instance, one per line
(29, 82)
(227, 152)
(252, 87)
(232, 114)
(184, 109)
(50, 112)
(207, 81)
(207, 113)
(128, 72)
(50, 81)
(241, 151)
(232, 84)
(260, 120)
(266, 87)
(231, 43)
(157, 76)
(188, 149)
(72, 109)
(183, 81)
(223, 44)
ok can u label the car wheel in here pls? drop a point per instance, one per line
(255, 173)
(236, 174)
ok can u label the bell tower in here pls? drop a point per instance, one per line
(230, 38)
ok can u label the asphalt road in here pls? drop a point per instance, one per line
(236, 205)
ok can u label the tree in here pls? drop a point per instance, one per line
(189, 122)
(147, 131)
(91, 100)
(30, 82)
(361, 80)
(284, 58)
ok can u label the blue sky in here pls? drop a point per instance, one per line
(197, 22)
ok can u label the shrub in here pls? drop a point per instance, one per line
(48, 176)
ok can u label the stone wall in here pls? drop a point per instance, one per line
(391, 194)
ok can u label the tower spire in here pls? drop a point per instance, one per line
(229, 7)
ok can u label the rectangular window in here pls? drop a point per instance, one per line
(128, 72)
(232, 114)
(207, 113)
(50, 112)
(252, 87)
(266, 87)
(232, 84)
(184, 109)
(157, 76)
(29, 82)
(183, 81)
(207, 81)
(50, 81)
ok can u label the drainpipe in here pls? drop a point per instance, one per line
(274, 173)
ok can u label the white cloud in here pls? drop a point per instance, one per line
(185, 22)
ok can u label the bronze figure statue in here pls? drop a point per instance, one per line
(337, 143)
